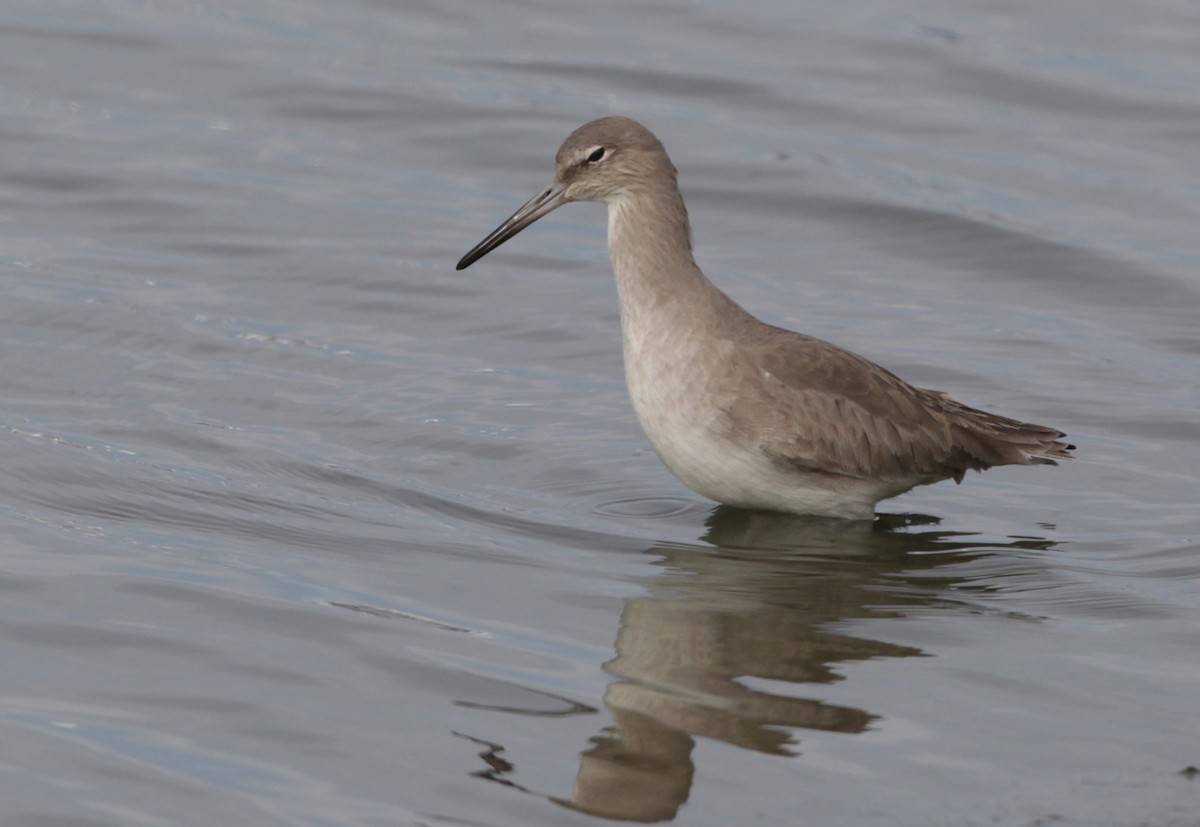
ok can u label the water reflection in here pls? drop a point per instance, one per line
(695, 657)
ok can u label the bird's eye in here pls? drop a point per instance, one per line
(596, 155)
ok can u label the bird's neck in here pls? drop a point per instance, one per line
(649, 241)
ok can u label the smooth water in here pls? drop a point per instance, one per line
(302, 527)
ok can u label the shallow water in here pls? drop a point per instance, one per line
(304, 528)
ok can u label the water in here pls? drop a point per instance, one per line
(301, 527)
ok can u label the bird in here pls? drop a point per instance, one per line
(743, 412)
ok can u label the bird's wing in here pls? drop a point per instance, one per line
(822, 408)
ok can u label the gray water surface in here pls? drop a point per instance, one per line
(302, 527)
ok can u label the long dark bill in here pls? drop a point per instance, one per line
(544, 202)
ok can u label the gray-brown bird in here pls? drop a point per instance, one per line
(743, 412)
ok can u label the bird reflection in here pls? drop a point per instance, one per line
(729, 634)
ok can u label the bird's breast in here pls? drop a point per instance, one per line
(673, 375)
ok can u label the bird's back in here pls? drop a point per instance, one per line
(820, 408)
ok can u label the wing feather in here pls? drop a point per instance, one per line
(821, 408)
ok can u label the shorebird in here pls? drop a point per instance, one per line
(743, 412)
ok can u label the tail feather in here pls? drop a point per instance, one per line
(1004, 441)
(1050, 451)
